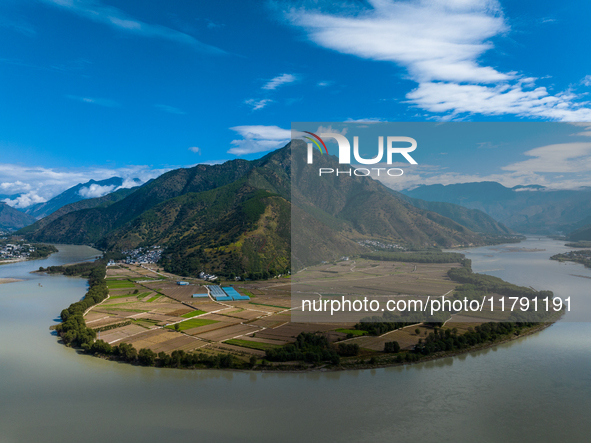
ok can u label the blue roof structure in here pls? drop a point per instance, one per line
(218, 294)
(235, 294)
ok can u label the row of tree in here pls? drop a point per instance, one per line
(390, 321)
(450, 340)
(177, 359)
(41, 250)
(313, 348)
(73, 330)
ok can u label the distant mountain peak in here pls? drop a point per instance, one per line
(532, 209)
(11, 218)
(90, 189)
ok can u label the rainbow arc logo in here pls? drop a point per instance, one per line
(316, 142)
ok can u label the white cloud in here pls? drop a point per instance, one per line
(440, 43)
(563, 157)
(213, 162)
(258, 138)
(586, 80)
(98, 12)
(170, 109)
(195, 149)
(94, 191)
(39, 184)
(434, 40)
(557, 166)
(14, 187)
(25, 200)
(258, 104)
(453, 99)
(282, 79)
(95, 101)
(324, 84)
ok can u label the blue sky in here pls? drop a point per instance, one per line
(91, 89)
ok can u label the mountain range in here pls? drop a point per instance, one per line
(77, 193)
(84, 195)
(525, 209)
(239, 217)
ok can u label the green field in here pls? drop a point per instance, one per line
(195, 323)
(121, 296)
(251, 344)
(352, 331)
(120, 284)
(156, 297)
(193, 314)
(142, 295)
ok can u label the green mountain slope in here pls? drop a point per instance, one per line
(233, 229)
(90, 203)
(239, 217)
(11, 218)
(75, 194)
(363, 207)
(90, 225)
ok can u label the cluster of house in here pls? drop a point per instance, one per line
(150, 254)
(584, 254)
(10, 250)
(207, 277)
(379, 245)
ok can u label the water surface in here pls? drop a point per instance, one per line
(537, 388)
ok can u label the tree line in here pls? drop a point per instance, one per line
(313, 348)
(449, 339)
(73, 330)
(42, 250)
(177, 359)
(389, 321)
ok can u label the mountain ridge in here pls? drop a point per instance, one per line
(238, 217)
(538, 210)
(11, 218)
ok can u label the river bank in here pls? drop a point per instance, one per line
(326, 355)
(48, 389)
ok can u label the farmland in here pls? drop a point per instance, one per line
(148, 310)
(194, 323)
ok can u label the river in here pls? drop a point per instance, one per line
(536, 388)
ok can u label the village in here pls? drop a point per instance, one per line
(14, 252)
